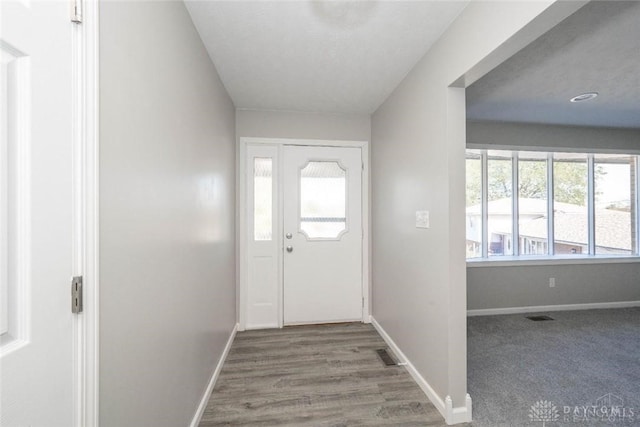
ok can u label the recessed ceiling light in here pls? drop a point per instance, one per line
(584, 97)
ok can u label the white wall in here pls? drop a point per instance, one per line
(280, 124)
(419, 276)
(167, 189)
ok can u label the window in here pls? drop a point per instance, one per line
(500, 202)
(533, 221)
(474, 204)
(323, 200)
(614, 190)
(571, 213)
(531, 204)
(262, 199)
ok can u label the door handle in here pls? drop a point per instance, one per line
(289, 249)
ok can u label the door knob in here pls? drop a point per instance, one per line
(288, 235)
(289, 248)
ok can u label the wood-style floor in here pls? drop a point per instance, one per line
(319, 375)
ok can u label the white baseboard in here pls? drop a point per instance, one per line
(461, 414)
(449, 413)
(262, 326)
(559, 307)
(212, 382)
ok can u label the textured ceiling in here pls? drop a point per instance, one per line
(320, 56)
(595, 49)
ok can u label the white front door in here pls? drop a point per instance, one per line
(322, 208)
(36, 212)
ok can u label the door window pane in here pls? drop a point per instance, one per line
(474, 204)
(500, 206)
(323, 200)
(571, 218)
(262, 199)
(532, 203)
(614, 207)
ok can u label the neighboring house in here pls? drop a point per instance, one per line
(613, 228)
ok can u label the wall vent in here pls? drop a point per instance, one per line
(386, 358)
(539, 318)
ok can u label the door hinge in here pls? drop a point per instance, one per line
(76, 11)
(362, 302)
(76, 294)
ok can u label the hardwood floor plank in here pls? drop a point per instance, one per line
(316, 375)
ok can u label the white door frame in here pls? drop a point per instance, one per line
(85, 210)
(241, 226)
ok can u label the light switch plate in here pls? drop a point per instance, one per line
(422, 219)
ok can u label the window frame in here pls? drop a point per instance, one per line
(551, 257)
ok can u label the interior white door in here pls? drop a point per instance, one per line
(36, 343)
(322, 193)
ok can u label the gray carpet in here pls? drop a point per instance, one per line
(574, 360)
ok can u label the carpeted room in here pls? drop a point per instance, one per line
(553, 136)
(572, 361)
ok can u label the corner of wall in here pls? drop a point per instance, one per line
(458, 414)
(417, 377)
(214, 377)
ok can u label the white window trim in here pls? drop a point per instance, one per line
(511, 261)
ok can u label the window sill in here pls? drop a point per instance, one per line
(511, 261)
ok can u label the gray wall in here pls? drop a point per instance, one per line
(541, 137)
(280, 124)
(167, 184)
(419, 276)
(523, 286)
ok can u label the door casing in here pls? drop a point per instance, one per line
(87, 242)
(242, 229)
